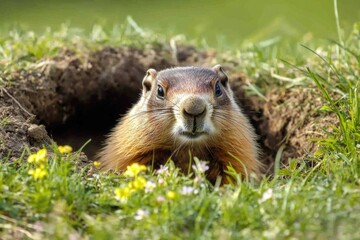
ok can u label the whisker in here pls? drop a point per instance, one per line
(157, 110)
(174, 104)
(177, 149)
(209, 150)
(230, 121)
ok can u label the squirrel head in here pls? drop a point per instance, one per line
(193, 96)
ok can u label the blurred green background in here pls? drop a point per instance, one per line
(219, 22)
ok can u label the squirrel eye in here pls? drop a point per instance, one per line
(160, 92)
(218, 91)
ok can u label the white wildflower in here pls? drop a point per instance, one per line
(149, 187)
(161, 181)
(268, 194)
(186, 190)
(141, 214)
(163, 170)
(201, 167)
(160, 199)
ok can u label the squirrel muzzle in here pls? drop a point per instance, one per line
(193, 122)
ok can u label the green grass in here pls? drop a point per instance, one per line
(300, 202)
(22, 49)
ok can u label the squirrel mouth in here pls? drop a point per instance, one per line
(193, 135)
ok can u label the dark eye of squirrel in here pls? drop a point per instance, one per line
(218, 91)
(160, 92)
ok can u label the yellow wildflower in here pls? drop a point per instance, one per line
(123, 194)
(42, 153)
(65, 149)
(31, 158)
(171, 195)
(39, 157)
(138, 183)
(134, 169)
(38, 173)
(97, 164)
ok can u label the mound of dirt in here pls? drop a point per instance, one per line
(71, 99)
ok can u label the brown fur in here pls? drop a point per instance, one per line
(144, 134)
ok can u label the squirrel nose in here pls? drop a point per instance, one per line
(194, 107)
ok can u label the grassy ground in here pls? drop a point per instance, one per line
(50, 197)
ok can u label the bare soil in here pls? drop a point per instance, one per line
(70, 100)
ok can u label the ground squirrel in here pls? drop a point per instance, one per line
(183, 112)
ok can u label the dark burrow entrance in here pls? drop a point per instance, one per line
(78, 100)
(106, 87)
(87, 124)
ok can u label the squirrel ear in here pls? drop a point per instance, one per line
(222, 75)
(148, 79)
